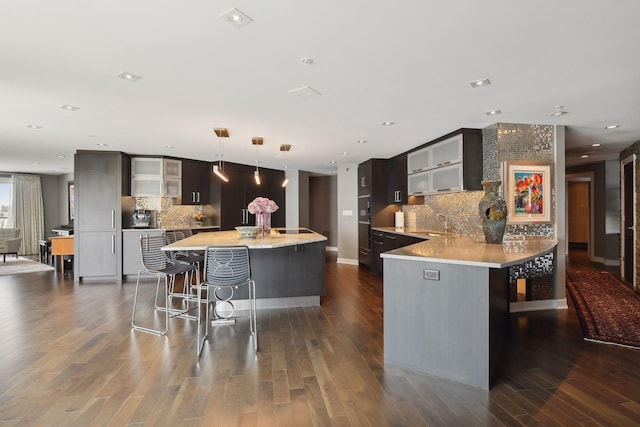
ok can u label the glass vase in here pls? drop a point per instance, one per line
(263, 220)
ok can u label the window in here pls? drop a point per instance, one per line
(5, 199)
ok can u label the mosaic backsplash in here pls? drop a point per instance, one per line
(170, 215)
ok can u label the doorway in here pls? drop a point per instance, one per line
(579, 211)
(627, 269)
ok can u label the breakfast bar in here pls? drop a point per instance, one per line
(288, 265)
(446, 304)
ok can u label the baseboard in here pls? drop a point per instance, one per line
(347, 261)
(612, 262)
(547, 304)
(331, 248)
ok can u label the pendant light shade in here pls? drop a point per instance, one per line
(218, 169)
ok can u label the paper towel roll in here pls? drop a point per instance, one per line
(399, 219)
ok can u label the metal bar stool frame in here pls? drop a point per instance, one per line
(226, 267)
(156, 262)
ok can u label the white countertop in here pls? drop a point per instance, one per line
(467, 250)
(201, 240)
(413, 232)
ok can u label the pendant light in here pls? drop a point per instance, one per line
(285, 148)
(219, 168)
(257, 142)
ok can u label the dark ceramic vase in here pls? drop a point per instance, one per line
(493, 212)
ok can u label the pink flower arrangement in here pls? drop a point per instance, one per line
(261, 205)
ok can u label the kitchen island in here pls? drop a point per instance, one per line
(446, 304)
(288, 265)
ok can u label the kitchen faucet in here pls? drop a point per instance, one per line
(444, 221)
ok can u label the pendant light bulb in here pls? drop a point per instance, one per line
(218, 172)
(256, 176)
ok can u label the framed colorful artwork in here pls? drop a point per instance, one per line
(528, 192)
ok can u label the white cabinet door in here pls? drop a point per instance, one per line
(172, 169)
(156, 177)
(447, 152)
(447, 178)
(419, 183)
(172, 187)
(131, 255)
(146, 186)
(418, 161)
(147, 166)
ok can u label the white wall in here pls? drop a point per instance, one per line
(292, 199)
(347, 214)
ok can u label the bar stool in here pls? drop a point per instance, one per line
(226, 269)
(157, 263)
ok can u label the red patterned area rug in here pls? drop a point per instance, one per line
(609, 311)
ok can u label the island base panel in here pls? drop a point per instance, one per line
(451, 327)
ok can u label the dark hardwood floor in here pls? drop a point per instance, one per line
(68, 357)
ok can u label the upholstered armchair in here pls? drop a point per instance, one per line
(10, 242)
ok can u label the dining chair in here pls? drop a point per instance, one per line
(226, 269)
(157, 263)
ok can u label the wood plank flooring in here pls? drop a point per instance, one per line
(69, 358)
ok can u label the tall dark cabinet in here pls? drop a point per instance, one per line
(232, 198)
(101, 179)
(372, 197)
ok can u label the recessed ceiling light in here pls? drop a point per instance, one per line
(237, 18)
(169, 146)
(34, 126)
(388, 123)
(307, 61)
(128, 76)
(333, 162)
(35, 163)
(595, 145)
(612, 127)
(584, 156)
(361, 141)
(102, 144)
(344, 153)
(61, 156)
(493, 112)
(479, 83)
(559, 111)
(69, 107)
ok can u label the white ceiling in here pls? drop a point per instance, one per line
(409, 62)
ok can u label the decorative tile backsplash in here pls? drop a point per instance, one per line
(170, 215)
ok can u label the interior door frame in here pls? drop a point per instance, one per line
(588, 177)
(623, 163)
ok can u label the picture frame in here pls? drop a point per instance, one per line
(527, 192)
(70, 200)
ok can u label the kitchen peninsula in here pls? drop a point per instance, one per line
(288, 265)
(446, 304)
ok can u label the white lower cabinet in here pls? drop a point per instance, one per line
(131, 255)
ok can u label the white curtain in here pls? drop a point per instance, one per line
(27, 212)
